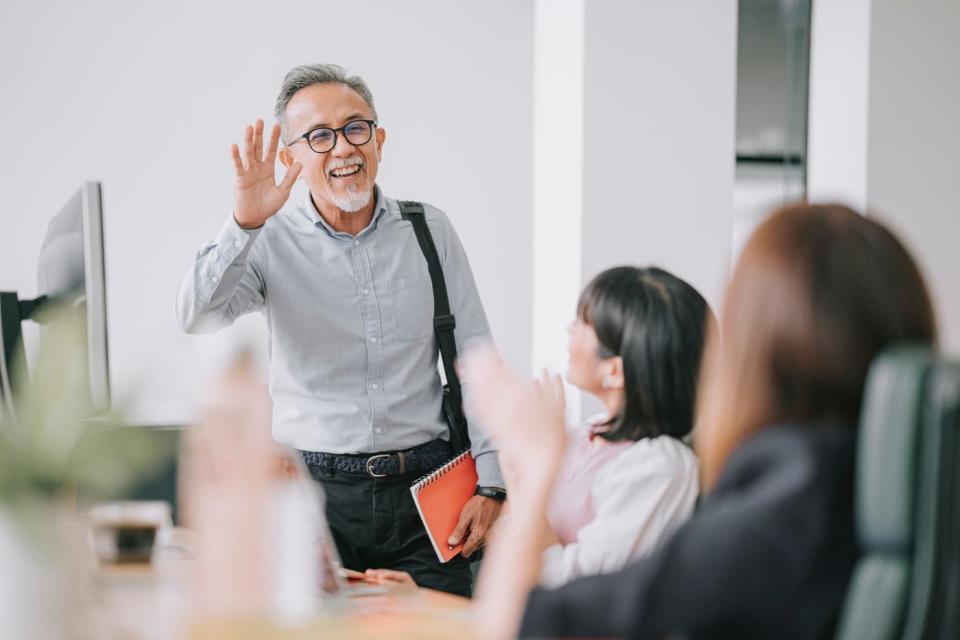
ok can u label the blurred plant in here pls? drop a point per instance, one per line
(51, 450)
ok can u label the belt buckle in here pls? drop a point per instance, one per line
(370, 462)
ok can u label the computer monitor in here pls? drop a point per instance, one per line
(70, 275)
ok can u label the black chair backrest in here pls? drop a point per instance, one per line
(907, 582)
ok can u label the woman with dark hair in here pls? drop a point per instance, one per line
(628, 480)
(818, 292)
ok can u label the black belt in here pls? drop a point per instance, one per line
(421, 459)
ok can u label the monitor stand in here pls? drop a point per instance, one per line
(13, 361)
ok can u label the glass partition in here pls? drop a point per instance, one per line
(773, 54)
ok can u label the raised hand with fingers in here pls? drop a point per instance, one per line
(525, 418)
(257, 195)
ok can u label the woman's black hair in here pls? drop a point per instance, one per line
(657, 324)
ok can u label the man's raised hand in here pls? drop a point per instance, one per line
(257, 194)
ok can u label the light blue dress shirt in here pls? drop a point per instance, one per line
(353, 357)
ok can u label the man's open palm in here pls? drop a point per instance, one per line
(257, 194)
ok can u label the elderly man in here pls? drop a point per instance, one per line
(347, 297)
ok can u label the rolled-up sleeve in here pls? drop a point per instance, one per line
(224, 282)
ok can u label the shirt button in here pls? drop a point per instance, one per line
(366, 291)
(373, 386)
(214, 278)
(238, 243)
(373, 339)
(379, 430)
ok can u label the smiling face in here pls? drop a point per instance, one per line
(343, 178)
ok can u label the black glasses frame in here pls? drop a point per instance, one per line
(371, 124)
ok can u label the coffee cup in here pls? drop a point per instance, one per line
(127, 532)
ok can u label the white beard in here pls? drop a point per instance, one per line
(353, 201)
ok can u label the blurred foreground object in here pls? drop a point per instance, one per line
(128, 531)
(236, 502)
(48, 454)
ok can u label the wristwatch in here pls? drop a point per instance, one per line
(496, 493)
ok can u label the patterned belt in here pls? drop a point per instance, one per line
(422, 459)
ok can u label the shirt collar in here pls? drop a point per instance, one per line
(316, 220)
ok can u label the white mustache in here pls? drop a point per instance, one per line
(346, 162)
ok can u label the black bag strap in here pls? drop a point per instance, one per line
(443, 324)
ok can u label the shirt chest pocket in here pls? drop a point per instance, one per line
(412, 309)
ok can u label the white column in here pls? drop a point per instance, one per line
(838, 115)
(557, 178)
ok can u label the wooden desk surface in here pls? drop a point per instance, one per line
(148, 602)
(420, 614)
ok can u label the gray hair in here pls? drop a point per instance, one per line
(310, 74)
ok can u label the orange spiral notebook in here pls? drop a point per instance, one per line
(440, 496)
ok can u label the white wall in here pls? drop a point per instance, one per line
(913, 177)
(660, 91)
(147, 97)
(884, 98)
(658, 99)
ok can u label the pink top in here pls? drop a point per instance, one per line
(571, 506)
(616, 502)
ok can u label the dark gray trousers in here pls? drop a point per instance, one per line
(375, 525)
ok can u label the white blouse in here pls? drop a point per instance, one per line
(639, 498)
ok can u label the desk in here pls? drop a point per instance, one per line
(148, 602)
(419, 614)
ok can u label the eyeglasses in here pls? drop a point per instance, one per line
(323, 139)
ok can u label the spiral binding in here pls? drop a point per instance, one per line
(439, 472)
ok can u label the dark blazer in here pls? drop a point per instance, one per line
(768, 555)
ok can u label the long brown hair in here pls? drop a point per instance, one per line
(818, 291)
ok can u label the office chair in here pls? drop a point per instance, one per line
(907, 496)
